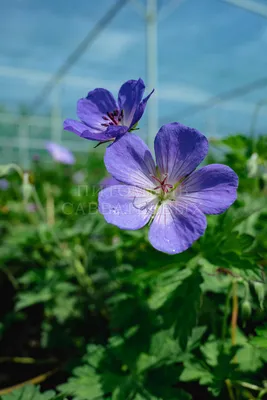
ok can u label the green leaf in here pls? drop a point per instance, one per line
(260, 292)
(195, 371)
(261, 339)
(165, 284)
(31, 393)
(97, 377)
(28, 299)
(180, 309)
(215, 370)
(249, 358)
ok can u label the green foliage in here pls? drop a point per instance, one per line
(31, 393)
(120, 320)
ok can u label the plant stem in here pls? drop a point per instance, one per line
(230, 389)
(234, 313)
(226, 313)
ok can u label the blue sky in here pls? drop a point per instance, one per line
(205, 47)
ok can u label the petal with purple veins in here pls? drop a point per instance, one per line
(140, 109)
(127, 207)
(212, 188)
(130, 161)
(176, 226)
(83, 131)
(179, 150)
(97, 104)
(108, 181)
(129, 98)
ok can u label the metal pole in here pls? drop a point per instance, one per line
(56, 121)
(151, 36)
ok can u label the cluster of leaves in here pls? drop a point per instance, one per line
(119, 320)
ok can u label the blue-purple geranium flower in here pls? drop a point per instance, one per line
(172, 197)
(60, 153)
(4, 184)
(105, 119)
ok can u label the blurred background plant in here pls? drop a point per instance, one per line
(89, 312)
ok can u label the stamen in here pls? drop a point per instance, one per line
(163, 185)
(113, 117)
(110, 115)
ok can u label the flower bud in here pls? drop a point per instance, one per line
(246, 309)
(26, 186)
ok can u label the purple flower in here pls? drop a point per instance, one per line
(60, 153)
(4, 184)
(105, 119)
(171, 197)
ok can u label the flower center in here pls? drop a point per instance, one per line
(113, 118)
(163, 185)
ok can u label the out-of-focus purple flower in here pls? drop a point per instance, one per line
(108, 181)
(78, 177)
(173, 197)
(105, 119)
(60, 153)
(4, 184)
(31, 207)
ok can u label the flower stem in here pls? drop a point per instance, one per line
(234, 313)
(230, 389)
(226, 313)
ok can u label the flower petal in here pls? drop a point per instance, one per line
(176, 226)
(127, 207)
(129, 98)
(212, 188)
(140, 109)
(96, 105)
(115, 131)
(179, 150)
(83, 131)
(130, 161)
(108, 181)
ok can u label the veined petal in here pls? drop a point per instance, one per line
(115, 131)
(176, 226)
(212, 188)
(140, 109)
(108, 181)
(96, 105)
(127, 207)
(179, 150)
(83, 130)
(129, 98)
(130, 161)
